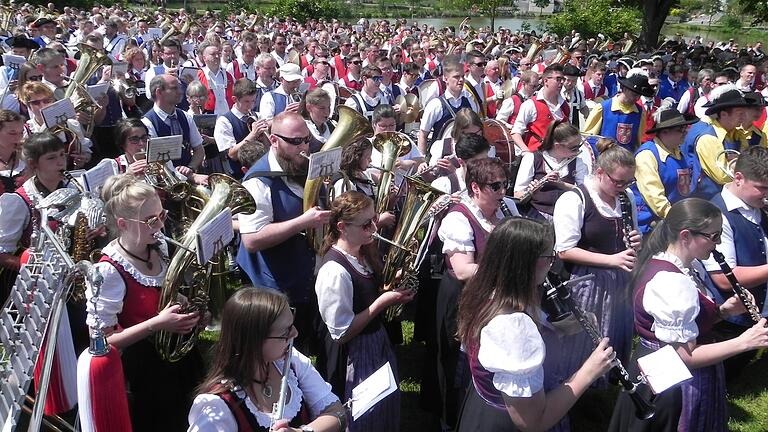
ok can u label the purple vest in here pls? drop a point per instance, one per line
(365, 288)
(544, 199)
(599, 234)
(643, 320)
(479, 233)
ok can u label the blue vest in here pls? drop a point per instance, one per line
(449, 113)
(622, 127)
(259, 94)
(288, 266)
(239, 131)
(611, 83)
(750, 251)
(671, 173)
(666, 90)
(281, 101)
(163, 129)
(704, 187)
(363, 107)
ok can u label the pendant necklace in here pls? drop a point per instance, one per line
(147, 261)
(266, 388)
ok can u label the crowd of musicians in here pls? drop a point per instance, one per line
(552, 157)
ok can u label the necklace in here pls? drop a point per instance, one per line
(145, 261)
(11, 161)
(266, 387)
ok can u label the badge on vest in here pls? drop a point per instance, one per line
(624, 133)
(684, 181)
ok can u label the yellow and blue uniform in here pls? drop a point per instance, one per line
(613, 119)
(703, 146)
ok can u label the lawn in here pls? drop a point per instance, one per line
(748, 395)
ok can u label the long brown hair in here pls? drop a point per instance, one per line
(505, 276)
(246, 320)
(344, 208)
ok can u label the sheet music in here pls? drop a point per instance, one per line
(58, 112)
(13, 61)
(119, 69)
(98, 175)
(375, 388)
(155, 33)
(325, 163)
(97, 90)
(663, 369)
(214, 235)
(187, 73)
(164, 148)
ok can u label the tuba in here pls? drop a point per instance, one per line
(91, 60)
(535, 50)
(409, 242)
(159, 176)
(184, 271)
(391, 145)
(351, 127)
(562, 56)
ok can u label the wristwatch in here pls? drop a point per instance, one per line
(306, 428)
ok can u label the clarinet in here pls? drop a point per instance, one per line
(739, 289)
(644, 409)
(504, 208)
(627, 224)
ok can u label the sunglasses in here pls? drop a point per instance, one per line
(365, 225)
(377, 78)
(526, 64)
(153, 222)
(297, 141)
(713, 237)
(480, 64)
(357, 62)
(35, 78)
(287, 333)
(550, 258)
(497, 186)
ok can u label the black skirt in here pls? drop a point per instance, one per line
(477, 415)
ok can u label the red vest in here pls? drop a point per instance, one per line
(490, 108)
(589, 95)
(340, 67)
(311, 81)
(210, 105)
(516, 109)
(303, 62)
(140, 301)
(352, 85)
(538, 128)
(759, 123)
(649, 122)
(236, 73)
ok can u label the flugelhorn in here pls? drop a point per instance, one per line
(351, 127)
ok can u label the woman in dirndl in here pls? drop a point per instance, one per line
(673, 306)
(597, 234)
(348, 289)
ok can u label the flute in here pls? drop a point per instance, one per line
(278, 408)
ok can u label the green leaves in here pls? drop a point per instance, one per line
(303, 10)
(590, 17)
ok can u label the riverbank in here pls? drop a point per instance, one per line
(716, 32)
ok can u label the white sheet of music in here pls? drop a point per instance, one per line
(324, 163)
(155, 33)
(375, 388)
(214, 235)
(164, 148)
(98, 175)
(97, 90)
(119, 69)
(663, 369)
(13, 61)
(58, 112)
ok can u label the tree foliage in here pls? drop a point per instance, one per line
(304, 10)
(489, 8)
(758, 9)
(590, 17)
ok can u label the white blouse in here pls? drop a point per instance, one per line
(674, 311)
(568, 216)
(334, 294)
(341, 186)
(456, 232)
(110, 301)
(512, 348)
(526, 172)
(209, 413)
(14, 216)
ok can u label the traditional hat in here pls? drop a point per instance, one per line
(571, 70)
(42, 21)
(671, 118)
(638, 83)
(21, 41)
(725, 97)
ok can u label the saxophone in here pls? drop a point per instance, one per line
(80, 251)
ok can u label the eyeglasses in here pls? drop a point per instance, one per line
(558, 79)
(621, 183)
(713, 237)
(297, 141)
(480, 64)
(153, 222)
(287, 334)
(35, 78)
(365, 225)
(526, 64)
(40, 101)
(377, 78)
(497, 186)
(357, 62)
(550, 258)
(138, 139)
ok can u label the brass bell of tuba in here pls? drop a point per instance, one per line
(91, 59)
(350, 128)
(535, 49)
(391, 145)
(184, 271)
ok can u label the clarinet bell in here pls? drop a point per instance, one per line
(644, 409)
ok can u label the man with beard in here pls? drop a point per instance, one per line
(273, 252)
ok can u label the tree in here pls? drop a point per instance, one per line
(486, 7)
(758, 9)
(541, 4)
(590, 17)
(655, 12)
